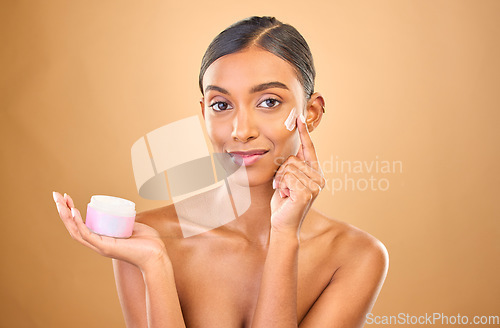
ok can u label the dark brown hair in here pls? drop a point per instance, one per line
(270, 34)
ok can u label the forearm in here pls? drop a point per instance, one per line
(277, 301)
(162, 301)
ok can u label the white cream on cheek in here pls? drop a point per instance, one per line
(291, 119)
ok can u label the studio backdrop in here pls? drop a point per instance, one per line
(409, 143)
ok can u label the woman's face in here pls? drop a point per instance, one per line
(248, 97)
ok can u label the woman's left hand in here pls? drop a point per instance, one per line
(297, 182)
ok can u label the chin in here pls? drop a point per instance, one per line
(252, 176)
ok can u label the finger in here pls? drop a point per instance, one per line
(296, 182)
(311, 173)
(64, 213)
(93, 240)
(307, 185)
(283, 192)
(300, 153)
(308, 150)
(303, 166)
(57, 197)
(69, 200)
(77, 222)
(277, 180)
(69, 223)
(68, 220)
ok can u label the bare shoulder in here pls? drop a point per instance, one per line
(163, 219)
(349, 243)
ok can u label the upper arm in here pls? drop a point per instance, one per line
(351, 294)
(131, 293)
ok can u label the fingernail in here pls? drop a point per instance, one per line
(64, 195)
(54, 196)
(73, 212)
(302, 118)
(274, 184)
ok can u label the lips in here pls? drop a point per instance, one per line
(247, 157)
(249, 152)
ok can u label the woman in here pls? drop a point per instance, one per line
(281, 263)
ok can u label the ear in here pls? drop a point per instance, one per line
(202, 104)
(314, 110)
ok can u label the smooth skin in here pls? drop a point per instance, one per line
(280, 264)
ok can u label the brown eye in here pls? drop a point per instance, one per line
(220, 106)
(270, 103)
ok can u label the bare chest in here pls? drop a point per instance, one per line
(219, 287)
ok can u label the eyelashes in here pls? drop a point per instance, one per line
(220, 106)
(225, 106)
(274, 101)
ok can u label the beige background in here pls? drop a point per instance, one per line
(409, 81)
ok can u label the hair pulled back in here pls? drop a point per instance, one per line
(270, 34)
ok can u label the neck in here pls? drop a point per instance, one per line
(255, 223)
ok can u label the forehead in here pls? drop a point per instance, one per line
(250, 67)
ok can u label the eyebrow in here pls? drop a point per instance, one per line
(257, 88)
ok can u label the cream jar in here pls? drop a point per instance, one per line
(110, 216)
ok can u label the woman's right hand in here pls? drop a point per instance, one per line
(144, 248)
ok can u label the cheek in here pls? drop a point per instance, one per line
(292, 143)
(286, 143)
(217, 133)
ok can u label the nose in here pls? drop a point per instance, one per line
(244, 126)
